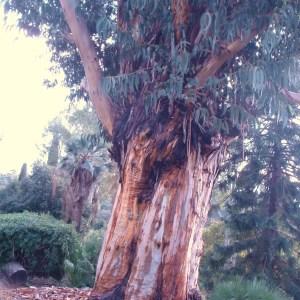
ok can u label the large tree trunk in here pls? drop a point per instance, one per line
(153, 243)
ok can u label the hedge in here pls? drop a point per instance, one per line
(39, 242)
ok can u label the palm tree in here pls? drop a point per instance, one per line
(84, 160)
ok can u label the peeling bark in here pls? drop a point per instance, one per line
(154, 243)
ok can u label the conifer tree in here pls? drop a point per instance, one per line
(263, 213)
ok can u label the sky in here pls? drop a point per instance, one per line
(26, 105)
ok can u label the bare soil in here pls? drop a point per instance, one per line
(44, 293)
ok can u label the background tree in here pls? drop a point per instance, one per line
(6, 178)
(82, 119)
(32, 193)
(78, 119)
(23, 172)
(85, 158)
(59, 136)
(180, 80)
(263, 210)
(69, 138)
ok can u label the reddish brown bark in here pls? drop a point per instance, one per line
(180, 9)
(154, 239)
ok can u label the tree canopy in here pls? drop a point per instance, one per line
(221, 62)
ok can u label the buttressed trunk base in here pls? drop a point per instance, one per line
(153, 243)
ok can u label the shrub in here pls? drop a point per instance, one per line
(92, 243)
(239, 289)
(39, 242)
(82, 272)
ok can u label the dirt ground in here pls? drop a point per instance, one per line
(41, 293)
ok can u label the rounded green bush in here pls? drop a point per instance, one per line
(239, 289)
(39, 242)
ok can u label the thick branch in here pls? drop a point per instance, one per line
(214, 63)
(81, 37)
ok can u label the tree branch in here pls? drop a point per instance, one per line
(293, 98)
(81, 37)
(180, 9)
(214, 63)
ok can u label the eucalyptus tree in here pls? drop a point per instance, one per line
(173, 83)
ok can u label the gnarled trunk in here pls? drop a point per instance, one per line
(153, 243)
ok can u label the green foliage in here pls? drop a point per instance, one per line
(92, 243)
(145, 58)
(239, 289)
(88, 152)
(82, 273)
(33, 193)
(212, 235)
(6, 179)
(37, 241)
(262, 214)
(83, 120)
(59, 135)
(53, 152)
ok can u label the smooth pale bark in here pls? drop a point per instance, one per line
(154, 243)
(81, 37)
(215, 62)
